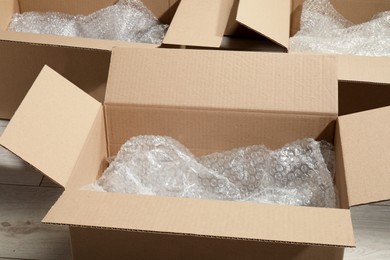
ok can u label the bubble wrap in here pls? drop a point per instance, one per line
(296, 174)
(324, 30)
(127, 20)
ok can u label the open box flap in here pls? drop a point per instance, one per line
(365, 141)
(51, 125)
(199, 23)
(269, 18)
(364, 69)
(200, 217)
(223, 80)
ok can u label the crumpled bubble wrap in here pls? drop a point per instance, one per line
(296, 174)
(127, 20)
(325, 30)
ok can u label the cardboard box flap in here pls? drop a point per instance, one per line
(200, 217)
(269, 18)
(366, 147)
(199, 23)
(223, 80)
(50, 127)
(364, 69)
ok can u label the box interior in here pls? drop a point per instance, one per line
(357, 11)
(207, 126)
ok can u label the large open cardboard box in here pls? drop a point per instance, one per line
(83, 61)
(218, 101)
(361, 78)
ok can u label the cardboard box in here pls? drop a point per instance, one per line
(277, 21)
(83, 61)
(218, 101)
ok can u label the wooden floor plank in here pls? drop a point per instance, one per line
(21, 233)
(372, 231)
(13, 170)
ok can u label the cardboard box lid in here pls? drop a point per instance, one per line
(51, 125)
(366, 151)
(200, 217)
(249, 81)
(203, 23)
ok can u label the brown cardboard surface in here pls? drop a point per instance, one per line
(85, 241)
(340, 179)
(199, 23)
(8, 8)
(69, 113)
(364, 69)
(365, 141)
(92, 160)
(85, 7)
(208, 131)
(225, 219)
(249, 81)
(269, 18)
(21, 63)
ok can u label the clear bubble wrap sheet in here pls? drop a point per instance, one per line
(325, 30)
(127, 20)
(300, 173)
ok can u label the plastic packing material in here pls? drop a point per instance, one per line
(300, 173)
(127, 20)
(325, 30)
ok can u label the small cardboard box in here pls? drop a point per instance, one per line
(83, 61)
(218, 101)
(205, 24)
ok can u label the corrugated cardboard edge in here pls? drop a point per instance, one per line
(269, 18)
(71, 42)
(364, 69)
(199, 23)
(51, 125)
(366, 152)
(200, 217)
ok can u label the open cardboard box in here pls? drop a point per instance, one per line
(218, 101)
(277, 21)
(83, 61)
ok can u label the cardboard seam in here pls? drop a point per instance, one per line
(197, 235)
(83, 146)
(107, 129)
(237, 110)
(340, 147)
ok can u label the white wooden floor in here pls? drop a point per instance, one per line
(25, 197)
